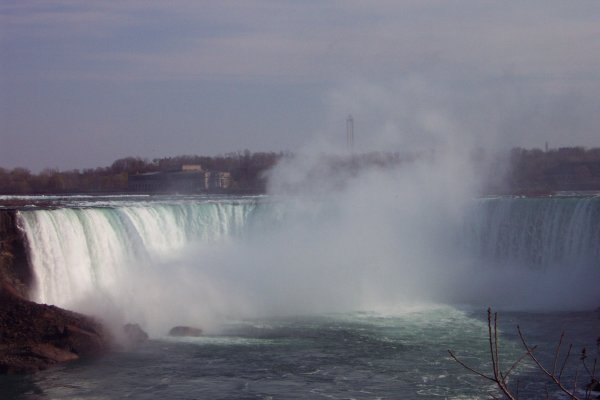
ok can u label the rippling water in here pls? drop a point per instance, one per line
(234, 256)
(342, 356)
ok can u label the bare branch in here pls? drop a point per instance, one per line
(565, 362)
(518, 361)
(469, 368)
(490, 340)
(500, 377)
(557, 352)
(552, 377)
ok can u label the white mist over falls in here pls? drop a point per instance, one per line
(382, 240)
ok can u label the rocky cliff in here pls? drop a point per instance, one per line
(15, 272)
(36, 336)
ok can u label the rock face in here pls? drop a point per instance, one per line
(15, 271)
(185, 331)
(34, 337)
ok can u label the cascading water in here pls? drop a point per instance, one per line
(161, 262)
(277, 257)
(537, 233)
(77, 251)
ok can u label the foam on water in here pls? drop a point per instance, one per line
(347, 355)
(192, 260)
(95, 253)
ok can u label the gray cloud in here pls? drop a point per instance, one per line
(159, 78)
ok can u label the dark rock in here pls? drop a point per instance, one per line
(134, 335)
(34, 336)
(15, 271)
(185, 331)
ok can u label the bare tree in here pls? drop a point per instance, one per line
(554, 374)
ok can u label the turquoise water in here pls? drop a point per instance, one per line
(344, 356)
(276, 282)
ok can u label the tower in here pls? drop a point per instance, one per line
(350, 133)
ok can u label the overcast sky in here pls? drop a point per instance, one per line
(83, 83)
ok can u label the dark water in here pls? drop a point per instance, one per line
(538, 254)
(345, 356)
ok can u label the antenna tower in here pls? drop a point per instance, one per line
(350, 132)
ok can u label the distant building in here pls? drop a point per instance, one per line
(176, 182)
(190, 178)
(191, 167)
(218, 180)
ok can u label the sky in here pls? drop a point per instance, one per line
(83, 83)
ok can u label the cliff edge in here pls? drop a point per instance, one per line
(15, 271)
(35, 336)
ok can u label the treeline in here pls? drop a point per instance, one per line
(533, 171)
(526, 171)
(246, 169)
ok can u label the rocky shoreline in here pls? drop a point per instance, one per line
(35, 336)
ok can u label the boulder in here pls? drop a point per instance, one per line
(134, 335)
(185, 331)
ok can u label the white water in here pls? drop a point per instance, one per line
(541, 233)
(534, 253)
(194, 261)
(111, 254)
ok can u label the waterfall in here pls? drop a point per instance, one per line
(228, 256)
(75, 251)
(537, 233)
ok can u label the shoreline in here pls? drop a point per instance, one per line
(37, 336)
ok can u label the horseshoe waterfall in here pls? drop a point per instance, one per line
(78, 251)
(307, 297)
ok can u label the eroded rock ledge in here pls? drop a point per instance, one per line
(34, 336)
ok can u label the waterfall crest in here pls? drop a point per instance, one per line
(75, 251)
(226, 255)
(537, 233)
